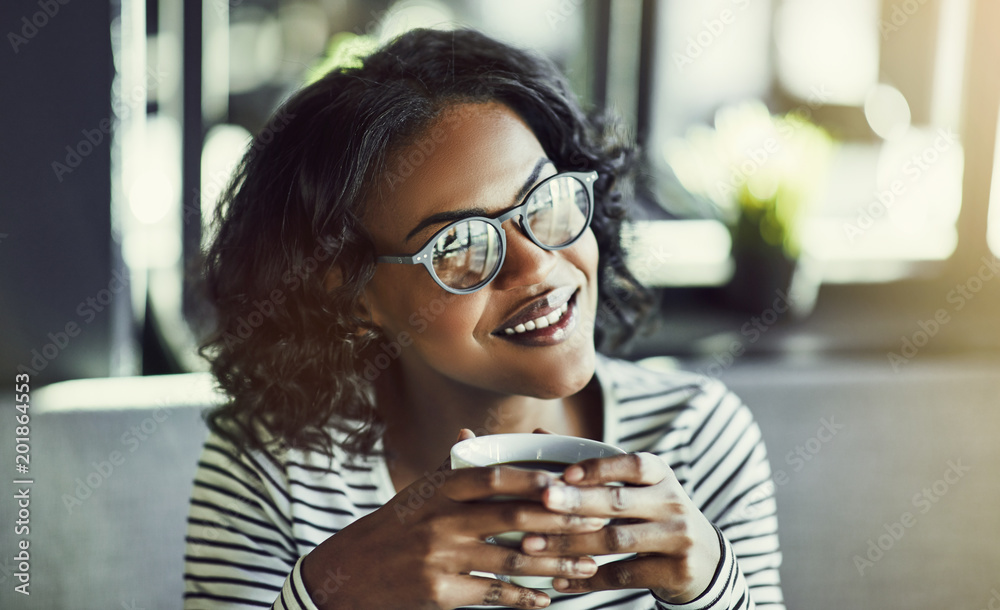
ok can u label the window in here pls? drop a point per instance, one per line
(885, 80)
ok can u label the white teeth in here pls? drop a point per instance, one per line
(541, 322)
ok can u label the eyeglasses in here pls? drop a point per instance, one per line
(467, 254)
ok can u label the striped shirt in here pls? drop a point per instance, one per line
(253, 517)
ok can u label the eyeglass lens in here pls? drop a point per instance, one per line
(468, 253)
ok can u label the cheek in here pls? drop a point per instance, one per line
(395, 296)
(444, 338)
(585, 256)
(589, 254)
(430, 316)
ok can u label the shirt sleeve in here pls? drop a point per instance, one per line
(723, 466)
(294, 595)
(240, 547)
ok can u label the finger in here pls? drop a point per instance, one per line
(463, 434)
(667, 538)
(484, 482)
(445, 466)
(634, 468)
(492, 518)
(638, 573)
(646, 502)
(512, 562)
(492, 592)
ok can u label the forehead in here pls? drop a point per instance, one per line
(472, 156)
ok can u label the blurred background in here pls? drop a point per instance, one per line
(819, 213)
(841, 152)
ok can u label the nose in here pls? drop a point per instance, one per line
(525, 263)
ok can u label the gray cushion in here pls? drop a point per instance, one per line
(902, 432)
(108, 507)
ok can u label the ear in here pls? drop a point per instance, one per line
(334, 279)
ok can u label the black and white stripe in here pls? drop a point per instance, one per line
(253, 517)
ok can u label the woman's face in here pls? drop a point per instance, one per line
(480, 160)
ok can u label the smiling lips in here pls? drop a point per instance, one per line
(546, 321)
(540, 322)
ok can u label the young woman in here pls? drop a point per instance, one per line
(423, 249)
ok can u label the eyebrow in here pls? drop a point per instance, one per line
(454, 215)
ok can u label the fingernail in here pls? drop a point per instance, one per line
(560, 583)
(557, 497)
(546, 479)
(573, 474)
(595, 522)
(534, 543)
(542, 601)
(588, 568)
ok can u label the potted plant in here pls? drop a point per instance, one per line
(757, 173)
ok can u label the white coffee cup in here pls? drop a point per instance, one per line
(505, 448)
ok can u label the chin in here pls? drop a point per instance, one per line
(567, 376)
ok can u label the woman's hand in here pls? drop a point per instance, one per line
(677, 548)
(418, 554)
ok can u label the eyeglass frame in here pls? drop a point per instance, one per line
(423, 256)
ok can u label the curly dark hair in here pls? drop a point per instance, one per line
(285, 348)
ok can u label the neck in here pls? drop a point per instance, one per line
(424, 412)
